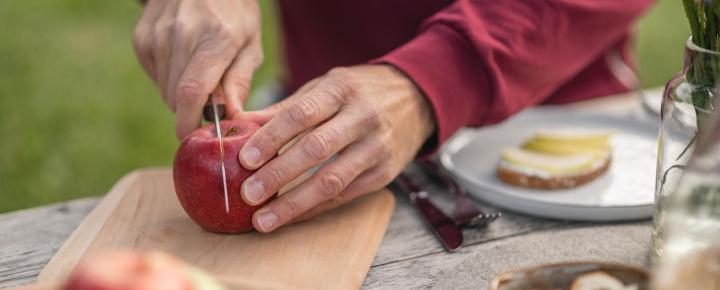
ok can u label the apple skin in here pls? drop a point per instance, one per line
(125, 270)
(198, 178)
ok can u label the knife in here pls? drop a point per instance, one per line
(217, 110)
(442, 226)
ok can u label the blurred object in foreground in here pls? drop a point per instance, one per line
(126, 270)
(691, 241)
(579, 275)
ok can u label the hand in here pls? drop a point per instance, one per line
(372, 117)
(190, 48)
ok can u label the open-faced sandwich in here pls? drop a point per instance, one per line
(557, 159)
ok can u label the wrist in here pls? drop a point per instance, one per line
(424, 115)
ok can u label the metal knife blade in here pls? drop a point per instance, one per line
(442, 226)
(216, 119)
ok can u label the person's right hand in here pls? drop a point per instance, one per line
(191, 47)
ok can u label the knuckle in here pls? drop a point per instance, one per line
(303, 112)
(190, 89)
(370, 117)
(318, 146)
(337, 200)
(330, 184)
(181, 29)
(163, 27)
(223, 30)
(385, 175)
(289, 207)
(275, 175)
(339, 71)
(257, 58)
(241, 82)
(376, 152)
(140, 39)
(344, 83)
(385, 138)
(269, 140)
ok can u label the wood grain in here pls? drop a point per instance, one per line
(29, 238)
(333, 250)
(474, 266)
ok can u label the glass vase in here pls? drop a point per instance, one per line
(691, 238)
(687, 102)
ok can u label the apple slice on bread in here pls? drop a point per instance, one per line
(557, 159)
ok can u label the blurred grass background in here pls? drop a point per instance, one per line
(77, 112)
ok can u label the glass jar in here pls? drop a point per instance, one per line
(691, 238)
(687, 101)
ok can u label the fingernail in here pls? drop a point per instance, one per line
(267, 220)
(253, 190)
(250, 156)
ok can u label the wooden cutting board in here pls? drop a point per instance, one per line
(333, 250)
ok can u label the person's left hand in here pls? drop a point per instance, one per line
(372, 116)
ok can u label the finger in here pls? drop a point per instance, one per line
(142, 39)
(312, 149)
(201, 76)
(303, 113)
(238, 77)
(143, 36)
(261, 117)
(161, 50)
(369, 181)
(323, 186)
(183, 40)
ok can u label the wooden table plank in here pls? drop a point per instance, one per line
(475, 266)
(29, 238)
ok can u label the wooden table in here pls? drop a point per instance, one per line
(409, 256)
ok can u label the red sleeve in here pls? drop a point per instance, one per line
(478, 62)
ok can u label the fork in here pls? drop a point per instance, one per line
(465, 213)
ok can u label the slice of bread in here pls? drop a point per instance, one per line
(515, 176)
(556, 159)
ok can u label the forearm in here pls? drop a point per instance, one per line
(479, 62)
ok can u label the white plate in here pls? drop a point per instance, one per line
(625, 192)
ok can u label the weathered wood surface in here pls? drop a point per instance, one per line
(29, 238)
(409, 256)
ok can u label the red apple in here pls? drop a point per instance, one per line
(198, 179)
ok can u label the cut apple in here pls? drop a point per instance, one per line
(551, 163)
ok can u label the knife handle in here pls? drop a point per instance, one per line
(208, 112)
(442, 226)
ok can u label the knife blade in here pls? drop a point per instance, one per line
(216, 120)
(442, 226)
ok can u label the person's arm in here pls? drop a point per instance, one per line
(479, 62)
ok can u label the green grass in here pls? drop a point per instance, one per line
(77, 112)
(661, 42)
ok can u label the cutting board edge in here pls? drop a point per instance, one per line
(391, 203)
(92, 223)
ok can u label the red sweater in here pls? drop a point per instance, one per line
(477, 61)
